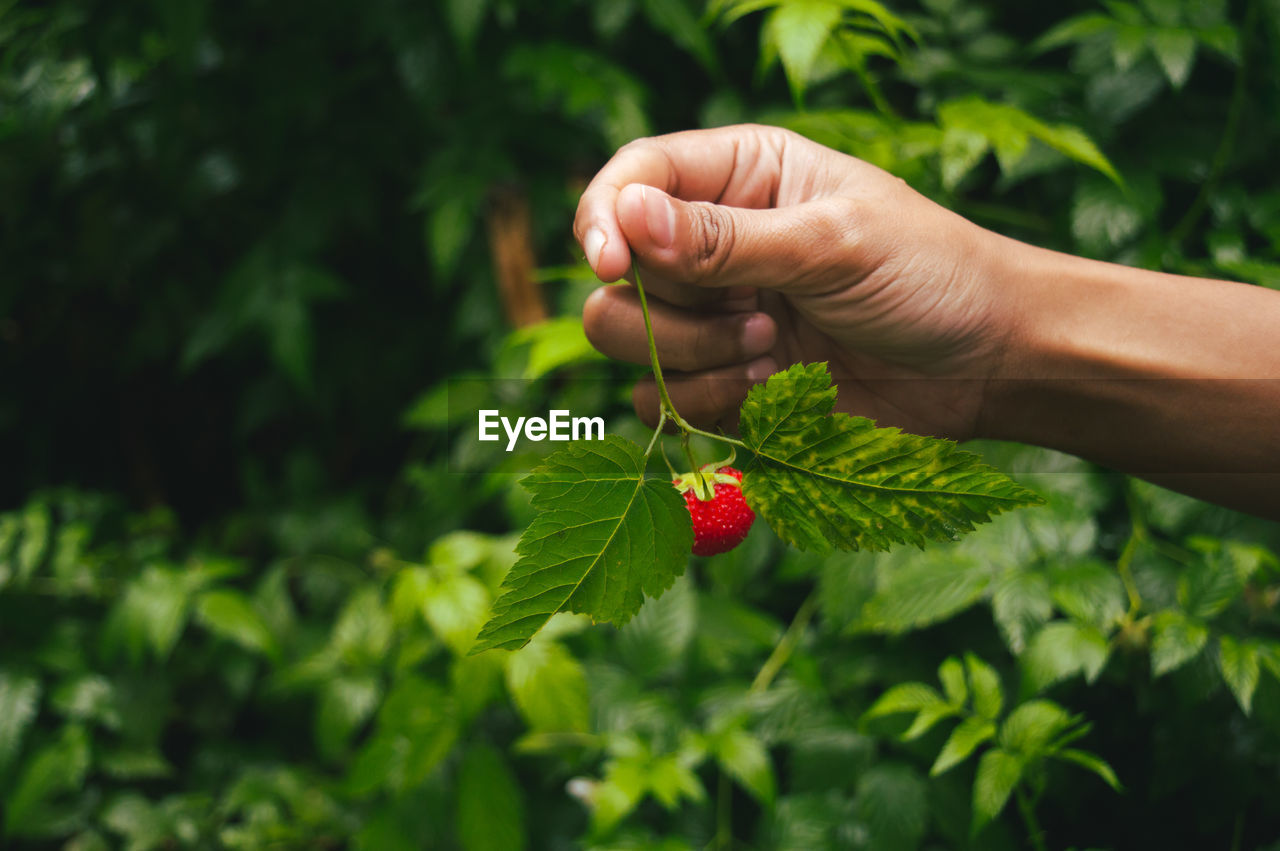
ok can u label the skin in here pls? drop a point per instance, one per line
(760, 249)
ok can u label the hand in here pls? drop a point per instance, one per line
(759, 249)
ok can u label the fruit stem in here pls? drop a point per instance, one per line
(668, 408)
(662, 421)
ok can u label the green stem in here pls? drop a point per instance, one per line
(662, 420)
(790, 640)
(653, 353)
(1034, 833)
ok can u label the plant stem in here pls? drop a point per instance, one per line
(1034, 833)
(662, 420)
(653, 352)
(790, 640)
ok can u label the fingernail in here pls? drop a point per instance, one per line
(761, 369)
(757, 334)
(660, 216)
(593, 245)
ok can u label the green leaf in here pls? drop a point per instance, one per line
(951, 674)
(456, 605)
(905, 697)
(930, 587)
(964, 739)
(676, 19)
(1073, 30)
(892, 799)
(58, 768)
(1240, 666)
(151, 612)
(19, 701)
(36, 525)
(1093, 763)
(1175, 50)
(346, 702)
(465, 18)
(605, 536)
(1032, 727)
(229, 613)
(1089, 592)
(553, 344)
(822, 480)
(998, 773)
(1021, 603)
(1063, 649)
(1175, 640)
(658, 637)
(490, 809)
(926, 719)
(549, 687)
(797, 31)
(746, 760)
(988, 697)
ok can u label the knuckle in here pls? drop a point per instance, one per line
(712, 237)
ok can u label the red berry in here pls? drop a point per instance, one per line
(719, 523)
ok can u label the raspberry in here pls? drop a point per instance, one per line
(721, 522)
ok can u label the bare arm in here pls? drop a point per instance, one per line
(764, 249)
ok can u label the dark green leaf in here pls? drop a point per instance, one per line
(605, 537)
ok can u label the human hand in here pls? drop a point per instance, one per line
(760, 249)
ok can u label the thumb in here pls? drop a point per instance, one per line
(715, 245)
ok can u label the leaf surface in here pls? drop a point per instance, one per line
(605, 537)
(824, 480)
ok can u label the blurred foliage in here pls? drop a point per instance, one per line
(241, 565)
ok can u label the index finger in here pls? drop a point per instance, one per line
(738, 166)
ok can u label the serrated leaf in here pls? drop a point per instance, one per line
(36, 525)
(951, 674)
(1089, 592)
(1175, 50)
(964, 739)
(605, 537)
(1093, 763)
(988, 697)
(746, 759)
(59, 767)
(904, 697)
(549, 687)
(455, 606)
(229, 613)
(926, 719)
(490, 809)
(825, 480)
(1175, 640)
(1032, 727)
(892, 799)
(998, 774)
(19, 700)
(1063, 649)
(797, 31)
(1073, 30)
(1240, 666)
(929, 588)
(1021, 603)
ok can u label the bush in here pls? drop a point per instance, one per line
(250, 253)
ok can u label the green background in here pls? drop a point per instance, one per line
(244, 247)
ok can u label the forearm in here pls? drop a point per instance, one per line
(1170, 378)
